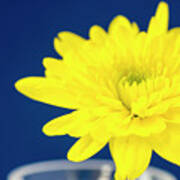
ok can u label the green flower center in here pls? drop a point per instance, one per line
(135, 77)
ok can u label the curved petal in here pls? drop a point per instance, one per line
(158, 27)
(84, 148)
(54, 68)
(122, 33)
(147, 126)
(74, 48)
(175, 30)
(57, 93)
(118, 23)
(135, 27)
(159, 23)
(167, 143)
(77, 73)
(172, 115)
(70, 123)
(81, 64)
(131, 155)
(97, 34)
(66, 42)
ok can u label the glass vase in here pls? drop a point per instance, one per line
(88, 170)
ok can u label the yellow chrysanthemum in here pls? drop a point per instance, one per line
(124, 87)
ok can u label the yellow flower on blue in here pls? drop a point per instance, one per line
(124, 85)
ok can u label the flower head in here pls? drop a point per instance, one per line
(124, 87)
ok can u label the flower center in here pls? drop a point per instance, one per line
(135, 116)
(135, 77)
(130, 90)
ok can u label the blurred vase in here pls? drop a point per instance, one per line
(88, 170)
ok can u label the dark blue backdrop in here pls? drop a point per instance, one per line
(27, 31)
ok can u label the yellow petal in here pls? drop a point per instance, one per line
(135, 27)
(80, 63)
(74, 49)
(158, 26)
(108, 125)
(55, 92)
(67, 42)
(131, 155)
(84, 148)
(70, 123)
(122, 32)
(149, 126)
(159, 23)
(78, 75)
(77, 51)
(116, 120)
(97, 34)
(167, 143)
(118, 23)
(172, 115)
(175, 30)
(54, 68)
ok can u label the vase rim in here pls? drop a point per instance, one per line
(55, 165)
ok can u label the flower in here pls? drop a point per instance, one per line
(123, 86)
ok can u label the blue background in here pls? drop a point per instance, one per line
(27, 31)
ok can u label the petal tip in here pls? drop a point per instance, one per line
(46, 131)
(163, 4)
(50, 129)
(19, 84)
(71, 157)
(162, 8)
